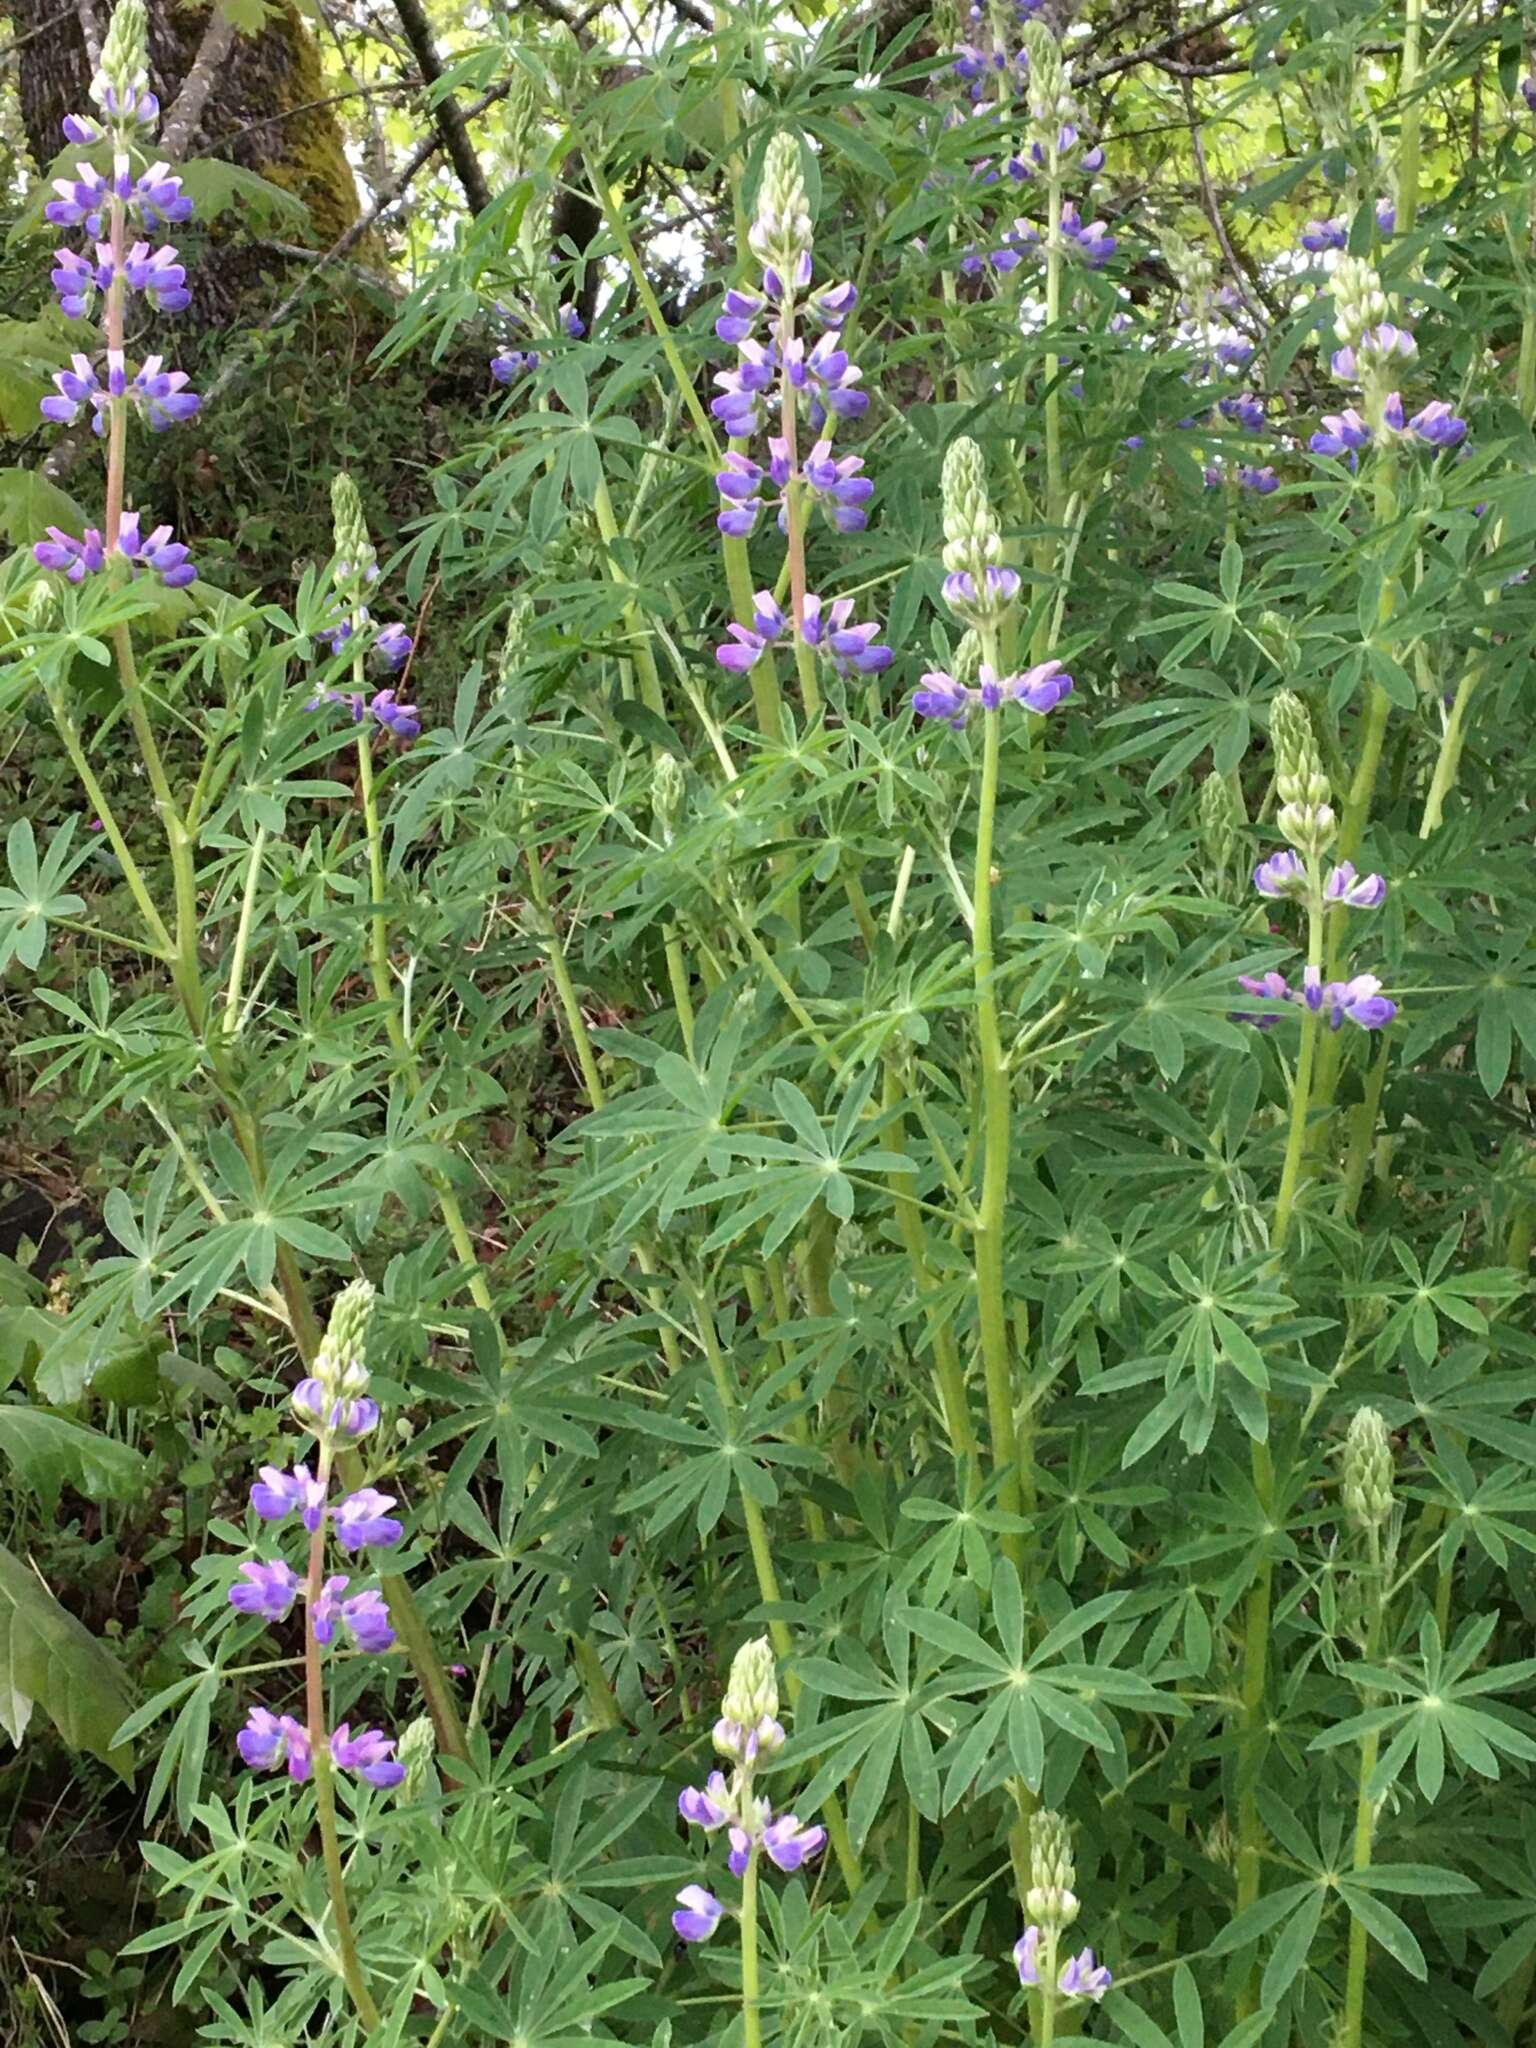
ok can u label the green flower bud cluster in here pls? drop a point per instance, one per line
(522, 108)
(356, 564)
(1050, 1901)
(668, 789)
(1359, 303)
(978, 588)
(124, 57)
(781, 234)
(1192, 266)
(1305, 818)
(1221, 818)
(417, 1750)
(1367, 1484)
(1051, 105)
(748, 1727)
(340, 1362)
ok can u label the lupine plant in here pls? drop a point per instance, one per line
(840, 1116)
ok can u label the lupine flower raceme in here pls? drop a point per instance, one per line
(147, 196)
(333, 1405)
(350, 626)
(1052, 1906)
(748, 1734)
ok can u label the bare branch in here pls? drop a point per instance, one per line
(187, 107)
(1150, 52)
(447, 114)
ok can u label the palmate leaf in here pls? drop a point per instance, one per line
(48, 1452)
(51, 1660)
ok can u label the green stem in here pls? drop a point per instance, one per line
(991, 1304)
(184, 967)
(751, 1991)
(1363, 1131)
(160, 937)
(378, 912)
(243, 934)
(949, 1376)
(325, 1790)
(1365, 1821)
(1448, 760)
(1046, 550)
(1408, 130)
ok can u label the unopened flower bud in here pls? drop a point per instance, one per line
(1359, 303)
(668, 789)
(1299, 777)
(1050, 1900)
(124, 56)
(520, 111)
(1221, 816)
(355, 565)
(1221, 1843)
(417, 1750)
(972, 543)
(1367, 1484)
(965, 664)
(748, 1726)
(781, 234)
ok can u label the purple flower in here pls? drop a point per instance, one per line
(77, 281)
(277, 1494)
(326, 1607)
(1386, 217)
(360, 1520)
(369, 1753)
(159, 396)
(1082, 1979)
(76, 558)
(157, 197)
(1318, 235)
(270, 1591)
(366, 1619)
(788, 1845)
(960, 588)
(708, 1809)
(1528, 91)
(940, 696)
(81, 202)
(1039, 689)
(169, 558)
(834, 304)
(1274, 987)
(158, 275)
(1377, 344)
(1233, 351)
(400, 721)
(81, 130)
(353, 1416)
(571, 322)
(268, 1739)
(1437, 424)
(77, 388)
(1359, 999)
(1254, 477)
(1026, 1955)
(1094, 241)
(738, 484)
(1363, 892)
(768, 622)
(393, 645)
(839, 483)
(699, 1913)
(511, 363)
(1244, 410)
(741, 310)
(832, 379)
(853, 648)
(1282, 874)
(1342, 433)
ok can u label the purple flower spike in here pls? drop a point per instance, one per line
(360, 1520)
(277, 1494)
(1359, 999)
(1343, 433)
(788, 1845)
(270, 1591)
(1437, 424)
(1026, 1956)
(1081, 1978)
(369, 1753)
(1256, 477)
(1362, 892)
(1282, 874)
(699, 1913)
(708, 1809)
(269, 1739)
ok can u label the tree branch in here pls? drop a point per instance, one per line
(447, 114)
(187, 108)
